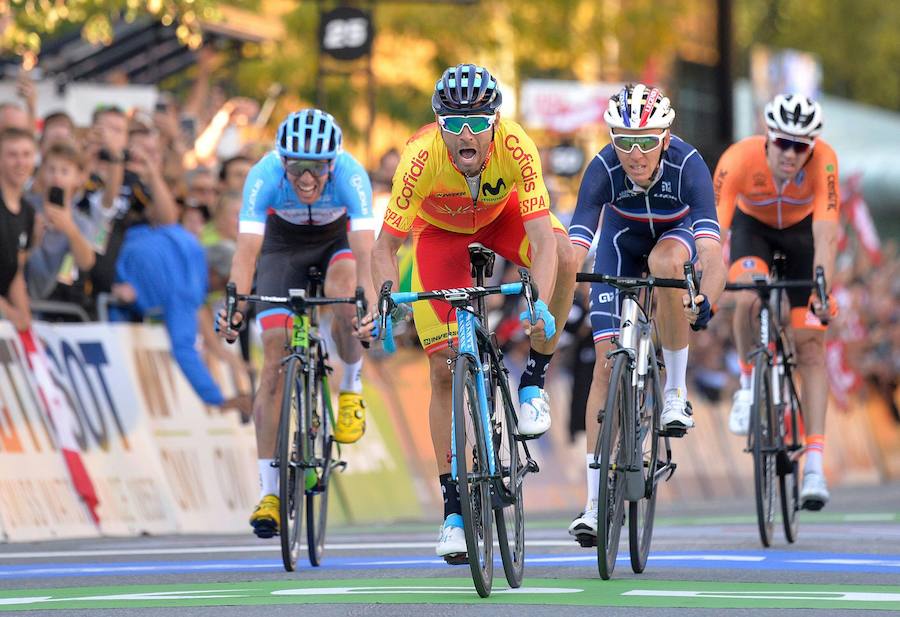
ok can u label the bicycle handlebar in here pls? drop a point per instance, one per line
(387, 301)
(627, 283)
(296, 300)
(763, 285)
(823, 296)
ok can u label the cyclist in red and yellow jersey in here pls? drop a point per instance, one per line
(474, 177)
(785, 187)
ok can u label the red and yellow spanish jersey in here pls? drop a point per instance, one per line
(428, 185)
(743, 179)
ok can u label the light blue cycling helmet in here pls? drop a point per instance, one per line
(309, 134)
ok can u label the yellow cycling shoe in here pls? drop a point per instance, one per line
(265, 518)
(351, 421)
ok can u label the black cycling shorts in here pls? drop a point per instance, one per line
(751, 238)
(288, 251)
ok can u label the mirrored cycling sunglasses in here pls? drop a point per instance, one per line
(786, 142)
(645, 143)
(296, 167)
(476, 124)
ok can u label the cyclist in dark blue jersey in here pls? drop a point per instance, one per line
(656, 197)
(306, 203)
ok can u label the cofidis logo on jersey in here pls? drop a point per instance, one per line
(410, 178)
(525, 161)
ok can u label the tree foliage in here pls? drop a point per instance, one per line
(856, 41)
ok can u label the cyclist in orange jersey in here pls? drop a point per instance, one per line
(474, 177)
(779, 192)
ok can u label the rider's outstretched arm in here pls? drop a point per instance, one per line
(384, 259)
(361, 245)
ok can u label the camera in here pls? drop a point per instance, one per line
(105, 155)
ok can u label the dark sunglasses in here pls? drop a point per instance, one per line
(297, 167)
(787, 143)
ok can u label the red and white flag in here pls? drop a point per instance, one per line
(843, 379)
(62, 419)
(857, 212)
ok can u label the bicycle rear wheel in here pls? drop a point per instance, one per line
(290, 455)
(763, 448)
(473, 474)
(611, 500)
(642, 511)
(788, 466)
(510, 459)
(317, 434)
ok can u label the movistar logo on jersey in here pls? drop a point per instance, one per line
(486, 188)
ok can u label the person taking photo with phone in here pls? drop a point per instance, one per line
(56, 266)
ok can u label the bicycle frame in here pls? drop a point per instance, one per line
(469, 328)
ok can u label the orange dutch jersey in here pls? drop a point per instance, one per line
(427, 185)
(743, 179)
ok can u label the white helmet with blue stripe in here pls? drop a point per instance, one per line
(309, 134)
(638, 107)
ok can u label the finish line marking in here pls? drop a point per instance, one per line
(577, 592)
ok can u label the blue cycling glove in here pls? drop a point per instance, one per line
(541, 312)
(704, 314)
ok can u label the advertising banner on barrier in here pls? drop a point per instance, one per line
(88, 363)
(37, 497)
(208, 456)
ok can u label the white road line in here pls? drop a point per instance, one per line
(260, 548)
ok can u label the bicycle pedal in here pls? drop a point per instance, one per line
(673, 431)
(526, 437)
(586, 540)
(812, 505)
(457, 559)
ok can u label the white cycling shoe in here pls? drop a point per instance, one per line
(814, 493)
(584, 527)
(452, 540)
(739, 420)
(676, 411)
(534, 411)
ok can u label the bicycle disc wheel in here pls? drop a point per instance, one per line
(611, 500)
(473, 475)
(317, 435)
(642, 511)
(510, 519)
(290, 489)
(764, 459)
(789, 467)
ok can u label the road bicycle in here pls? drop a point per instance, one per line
(489, 459)
(306, 453)
(632, 450)
(774, 438)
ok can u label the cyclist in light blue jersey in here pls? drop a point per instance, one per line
(306, 203)
(656, 196)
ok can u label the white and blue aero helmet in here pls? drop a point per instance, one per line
(309, 134)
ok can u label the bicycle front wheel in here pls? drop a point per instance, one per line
(762, 418)
(510, 458)
(611, 500)
(290, 456)
(473, 475)
(641, 512)
(788, 466)
(318, 440)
